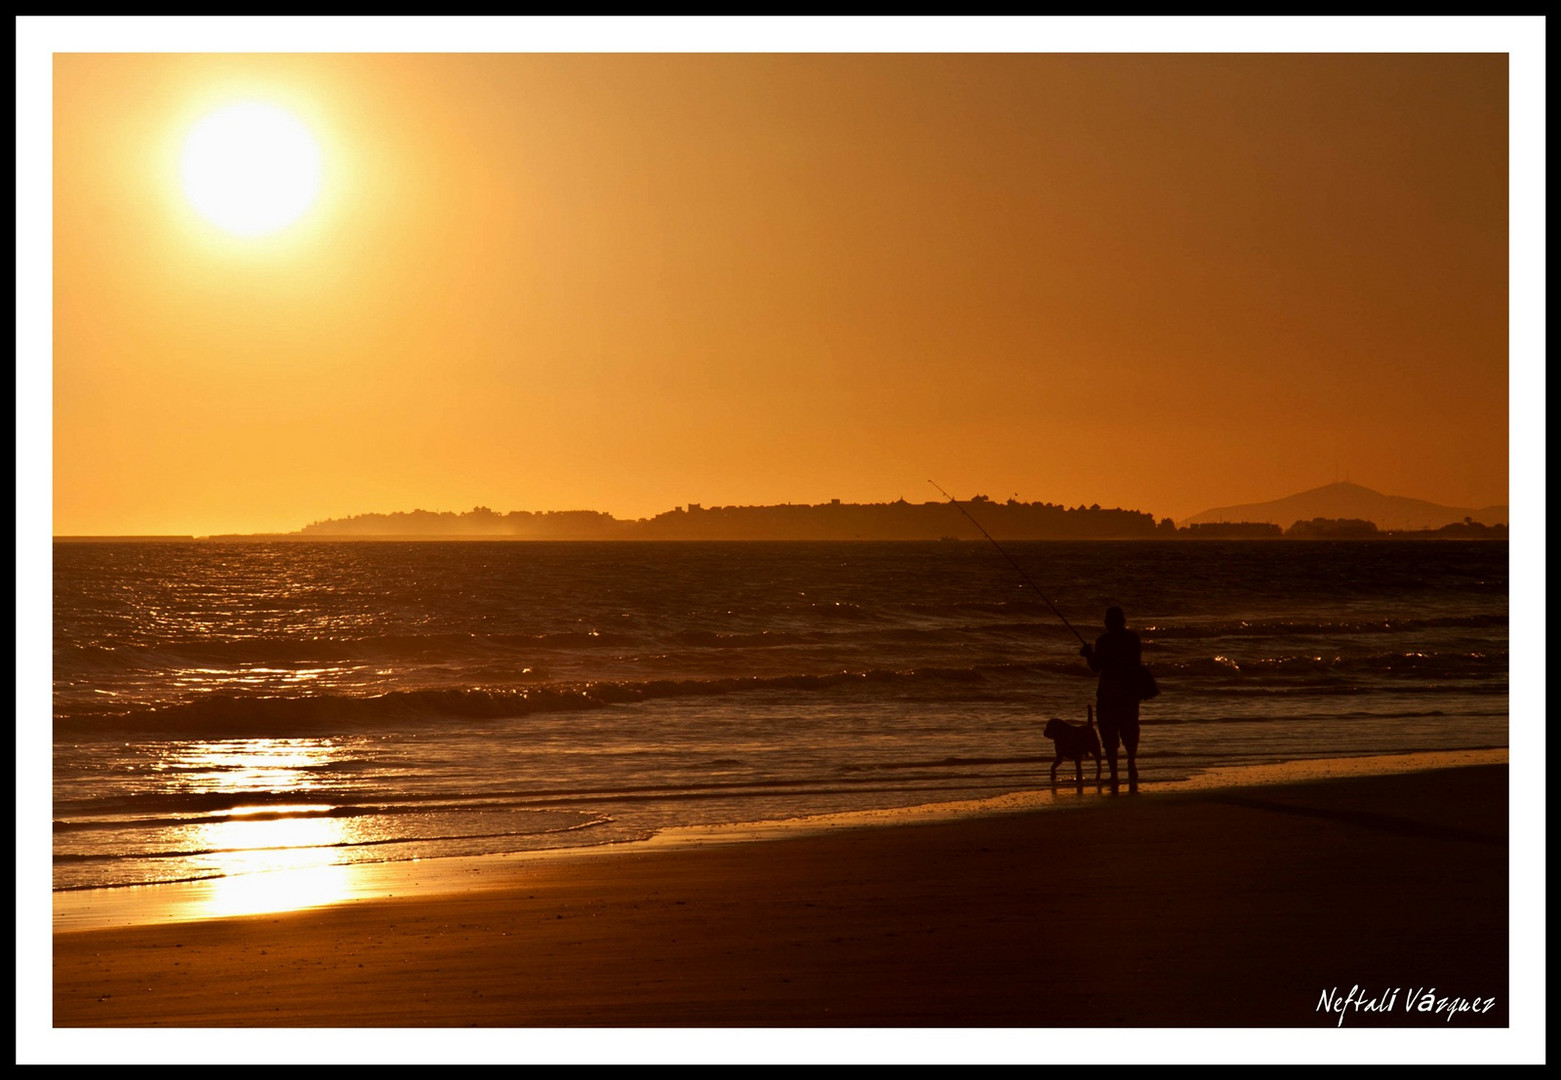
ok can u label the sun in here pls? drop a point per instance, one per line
(251, 168)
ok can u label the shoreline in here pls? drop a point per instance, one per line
(277, 891)
(1218, 907)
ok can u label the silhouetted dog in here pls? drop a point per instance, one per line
(1074, 742)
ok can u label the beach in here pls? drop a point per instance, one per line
(1260, 905)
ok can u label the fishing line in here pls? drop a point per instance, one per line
(1011, 562)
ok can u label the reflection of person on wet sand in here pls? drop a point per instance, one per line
(1116, 655)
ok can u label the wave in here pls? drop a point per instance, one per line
(694, 648)
(1316, 628)
(176, 655)
(282, 715)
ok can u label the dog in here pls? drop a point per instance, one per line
(1074, 742)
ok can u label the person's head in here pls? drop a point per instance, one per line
(1115, 620)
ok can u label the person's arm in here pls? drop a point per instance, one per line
(1088, 653)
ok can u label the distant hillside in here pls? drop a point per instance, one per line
(834, 520)
(1346, 500)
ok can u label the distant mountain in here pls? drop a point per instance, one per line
(1346, 500)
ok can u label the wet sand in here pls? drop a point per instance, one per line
(1217, 907)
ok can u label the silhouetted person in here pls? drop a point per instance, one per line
(1117, 654)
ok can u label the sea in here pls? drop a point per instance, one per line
(222, 709)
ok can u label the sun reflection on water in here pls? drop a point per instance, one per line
(265, 854)
(275, 864)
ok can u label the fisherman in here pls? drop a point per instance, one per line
(1117, 655)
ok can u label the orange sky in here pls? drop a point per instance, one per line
(626, 282)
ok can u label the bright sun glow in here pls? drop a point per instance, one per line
(251, 168)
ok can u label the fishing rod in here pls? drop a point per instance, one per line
(1011, 562)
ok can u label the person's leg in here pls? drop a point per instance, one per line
(1110, 737)
(1129, 740)
(1116, 716)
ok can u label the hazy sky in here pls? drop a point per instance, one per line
(625, 282)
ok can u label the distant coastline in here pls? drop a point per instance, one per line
(834, 521)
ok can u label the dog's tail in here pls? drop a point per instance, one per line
(1089, 710)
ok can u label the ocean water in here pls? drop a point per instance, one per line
(226, 709)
